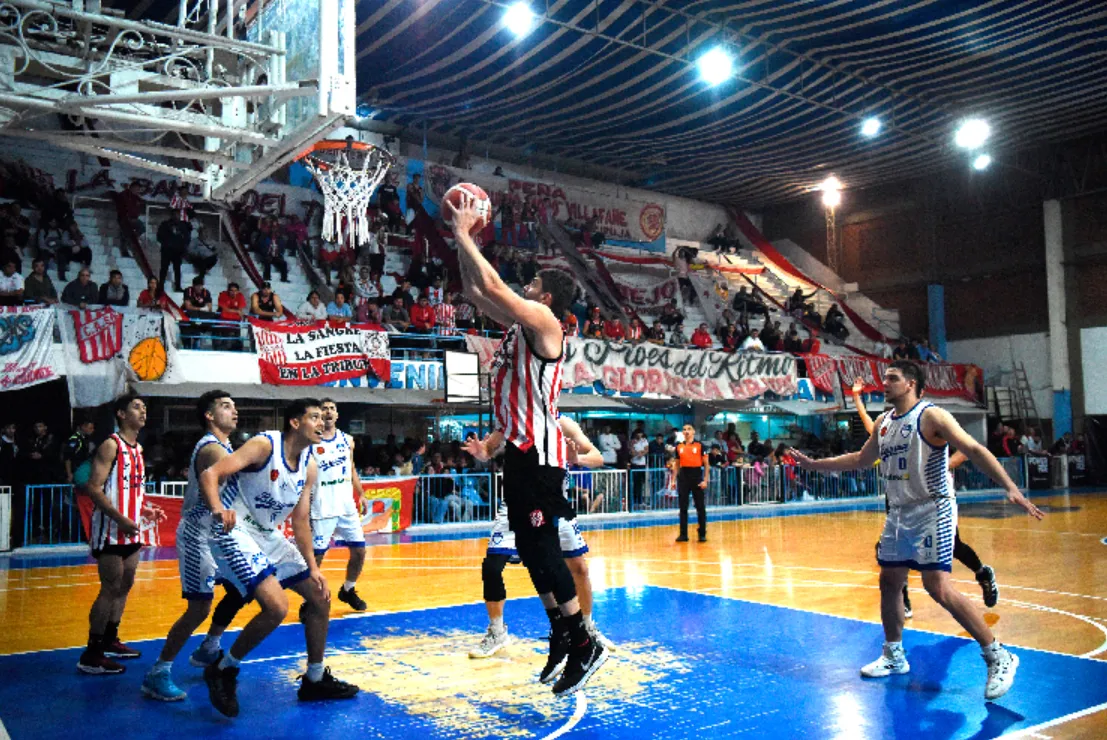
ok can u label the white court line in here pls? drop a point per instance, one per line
(4, 732)
(1033, 731)
(578, 714)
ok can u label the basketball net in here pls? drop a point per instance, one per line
(348, 175)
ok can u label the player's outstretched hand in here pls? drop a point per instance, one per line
(858, 386)
(801, 459)
(476, 448)
(464, 218)
(1016, 496)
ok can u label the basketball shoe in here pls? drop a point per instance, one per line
(891, 661)
(987, 580)
(493, 642)
(580, 667)
(559, 653)
(158, 684)
(350, 597)
(222, 688)
(328, 687)
(116, 649)
(96, 663)
(1002, 664)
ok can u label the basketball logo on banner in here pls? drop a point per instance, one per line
(148, 359)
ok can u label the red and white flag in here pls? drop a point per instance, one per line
(99, 333)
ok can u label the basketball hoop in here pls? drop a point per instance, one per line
(348, 173)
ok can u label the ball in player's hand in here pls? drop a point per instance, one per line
(467, 190)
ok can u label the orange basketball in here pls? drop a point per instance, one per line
(482, 203)
(148, 359)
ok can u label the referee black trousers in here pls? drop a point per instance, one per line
(688, 482)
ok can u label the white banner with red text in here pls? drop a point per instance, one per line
(26, 347)
(295, 353)
(943, 380)
(696, 375)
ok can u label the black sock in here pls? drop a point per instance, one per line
(111, 634)
(578, 634)
(95, 641)
(557, 623)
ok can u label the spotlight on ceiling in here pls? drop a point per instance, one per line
(972, 133)
(716, 66)
(870, 127)
(831, 188)
(519, 19)
(982, 161)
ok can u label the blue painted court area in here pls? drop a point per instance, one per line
(689, 665)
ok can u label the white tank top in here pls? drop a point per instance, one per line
(194, 505)
(913, 469)
(265, 496)
(333, 495)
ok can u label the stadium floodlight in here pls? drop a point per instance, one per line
(870, 127)
(982, 161)
(831, 188)
(972, 133)
(716, 66)
(519, 19)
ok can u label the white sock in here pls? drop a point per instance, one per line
(229, 661)
(347, 585)
(992, 650)
(211, 642)
(315, 672)
(588, 622)
(162, 666)
(894, 647)
(497, 624)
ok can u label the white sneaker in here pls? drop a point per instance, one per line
(595, 634)
(891, 661)
(907, 614)
(1001, 673)
(492, 643)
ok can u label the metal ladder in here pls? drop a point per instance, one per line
(1024, 397)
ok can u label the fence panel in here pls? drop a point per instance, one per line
(51, 516)
(600, 491)
(968, 477)
(464, 497)
(174, 488)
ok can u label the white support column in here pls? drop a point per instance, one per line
(1058, 328)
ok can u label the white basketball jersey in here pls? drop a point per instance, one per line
(333, 495)
(194, 505)
(267, 495)
(913, 469)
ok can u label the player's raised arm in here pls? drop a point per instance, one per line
(851, 461)
(939, 424)
(254, 453)
(858, 386)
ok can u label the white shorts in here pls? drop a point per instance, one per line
(346, 530)
(194, 558)
(502, 540)
(246, 556)
(919, 536)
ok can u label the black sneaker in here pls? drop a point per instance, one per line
(95, 663)
(555, 662)
(703, 538)
(118, 650)
(987, 580)
(580, 668)
(328, 687)
(222, 688)
(682, 538)
(350, 597)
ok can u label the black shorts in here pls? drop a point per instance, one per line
(123, 551)
(534, 494)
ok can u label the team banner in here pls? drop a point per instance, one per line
(295, 353)
(26, 347)
(696, 375)
(386, 504)
(645, 291)
(106, 347)
(943, 380)
(158, 533)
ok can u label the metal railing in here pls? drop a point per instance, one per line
(461, 497)
(51, 516)
(968, 477)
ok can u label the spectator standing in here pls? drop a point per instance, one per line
(16, 226)
(115, 292)
(422, 316)
(38, 287)
(297, 233)
(389, 199)
(414, 197)
(639, 449)
(9, 453)
(266, 305)
(445, 316)
(174, 236)
(339, 311)
(270, 252)
(609, 446)
(77, 454)
(40, 455)
(132, 206)
(312, 309)
(435, 292)
(154, 296)
(376, 249)
(82, 291)
(11, 285)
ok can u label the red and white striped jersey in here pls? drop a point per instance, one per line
(444, 318)
(125, 488)
(525, 391)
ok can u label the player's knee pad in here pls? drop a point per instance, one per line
(230, 605)
(492, 575)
